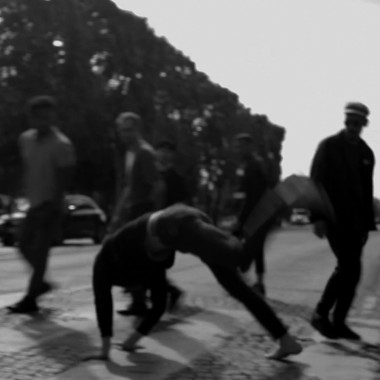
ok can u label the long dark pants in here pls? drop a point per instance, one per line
(254, 249)
(36, 237)
(231, 281)
(221, 252)
(340, 290)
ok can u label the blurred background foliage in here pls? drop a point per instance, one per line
(98, 61)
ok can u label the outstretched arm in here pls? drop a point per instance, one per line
(158, 290)
(102, 286)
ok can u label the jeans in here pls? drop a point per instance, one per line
(40, 227)
(254, 249)
(232, 282)
(340, 290)
(222, 253)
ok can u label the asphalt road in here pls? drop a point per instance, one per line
(209, 330)
(298, 266)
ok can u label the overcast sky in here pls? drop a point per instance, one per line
(297, 61)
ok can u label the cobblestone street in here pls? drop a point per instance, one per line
(211, 336)
(240, 355)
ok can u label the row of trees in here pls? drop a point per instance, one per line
(98, 61)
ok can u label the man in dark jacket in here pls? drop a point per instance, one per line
(144, 249)
(343, 165)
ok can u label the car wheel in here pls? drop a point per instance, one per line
(8, 241)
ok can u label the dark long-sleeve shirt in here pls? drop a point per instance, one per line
(181, 228)
(345, 171)
(253, 184)
(123, 260)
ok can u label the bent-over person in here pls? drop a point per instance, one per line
(145, 248)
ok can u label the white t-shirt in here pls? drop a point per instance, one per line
(41, 159)
(155, 249)
(130, 157)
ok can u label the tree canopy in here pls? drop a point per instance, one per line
(98, 61)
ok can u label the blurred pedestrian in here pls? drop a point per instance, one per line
(48, 160)
(175, 184)
(150, 242)
(253, 183)
(175, 191)
(343, 165)
(139, 186)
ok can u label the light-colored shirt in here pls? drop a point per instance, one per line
(130, 157)
(42, 158)
(155, 249)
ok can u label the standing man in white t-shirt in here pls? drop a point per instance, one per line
(48, 162)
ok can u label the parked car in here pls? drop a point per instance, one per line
(83, 218)
(5, 201)
(299, 216)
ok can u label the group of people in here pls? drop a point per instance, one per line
(146, 180)
(153, 221)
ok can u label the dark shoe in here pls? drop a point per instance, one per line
(324, 326)
(46, 287)
(259, 288)
(25, 306)
(134, 310)
(345, 332)
(174, 297)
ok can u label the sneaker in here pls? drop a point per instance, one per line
(134, 309)
(324, 326)
(259, 288)
(343, 331)
(25, 306)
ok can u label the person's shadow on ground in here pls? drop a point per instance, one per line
(144, 365)
(292, 371)
(299, 310)
(57, 347)
(359, 349)
(148, 363)
(219, 361)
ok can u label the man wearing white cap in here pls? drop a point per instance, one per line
(343, 165)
